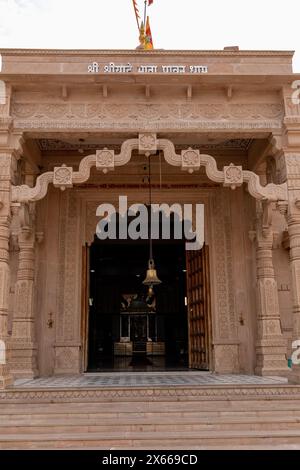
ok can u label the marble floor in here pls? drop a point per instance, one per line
(149, 379)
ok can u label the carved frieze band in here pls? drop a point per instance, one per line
(150, 111)
(141, 116)
(251, 392)
(64, 395)
(189, 160)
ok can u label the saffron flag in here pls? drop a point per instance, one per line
(148, 39)
(150, 2)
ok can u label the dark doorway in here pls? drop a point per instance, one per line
(126, 329)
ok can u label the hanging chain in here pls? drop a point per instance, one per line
(150, 204)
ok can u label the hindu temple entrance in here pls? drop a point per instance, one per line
(128, 330)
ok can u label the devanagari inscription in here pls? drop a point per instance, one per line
(198, 69)
(147, 69)
(118, 68)
(94, 67)
(173, 68)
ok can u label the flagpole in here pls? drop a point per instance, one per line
(136, 14)
(145, 13)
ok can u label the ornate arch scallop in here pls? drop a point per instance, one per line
(190, 160)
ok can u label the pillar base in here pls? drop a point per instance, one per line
(294, 375)
(23, 360)
(268, 371)
(6, 379)
(271, 357)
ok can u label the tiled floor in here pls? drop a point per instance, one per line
(150, 379)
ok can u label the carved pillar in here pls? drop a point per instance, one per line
(294, 234)
(24, 349)
(5, 219)
(271, 347)
(292, 212)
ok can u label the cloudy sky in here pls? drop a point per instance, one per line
(176, 24)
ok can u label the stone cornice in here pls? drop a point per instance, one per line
(263, 81)
(158, 52)
(138, 126)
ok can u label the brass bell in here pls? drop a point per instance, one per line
(151, 276)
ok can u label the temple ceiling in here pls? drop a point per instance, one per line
(84, 145)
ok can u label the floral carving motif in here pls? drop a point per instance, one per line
(105, 160)
(233, 176)
(62, 177)
(147, 143)
(190, 160)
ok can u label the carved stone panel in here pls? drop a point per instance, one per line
(225, 324)
(226, 358)
(69, 279)
(67, 359)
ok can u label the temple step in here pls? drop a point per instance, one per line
(150, 440)
(154, 418)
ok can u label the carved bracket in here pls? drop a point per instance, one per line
(189, 160)
(24, 217)
(263, 233)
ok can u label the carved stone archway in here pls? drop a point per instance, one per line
(105, 160)
(189, 160)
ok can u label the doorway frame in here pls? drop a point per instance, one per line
(85, 307)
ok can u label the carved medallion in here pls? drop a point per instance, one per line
(190, 160)
(62, 177)
(233, 176)
(147, 143)
(105, 160)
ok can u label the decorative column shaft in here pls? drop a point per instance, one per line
(24, 349)
(294, 234)
(291, 165)
(271, 347)
(5, 219)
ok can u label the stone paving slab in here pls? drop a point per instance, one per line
(149, 379)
